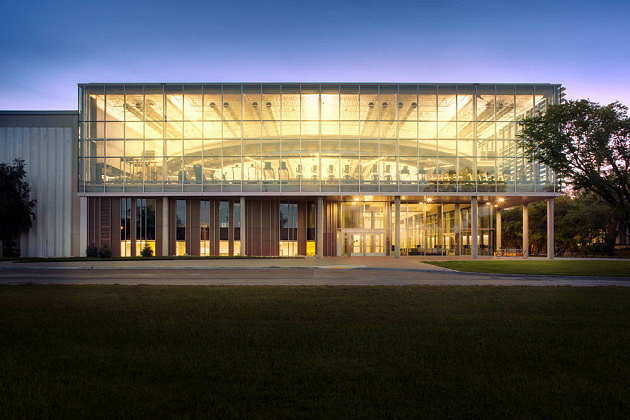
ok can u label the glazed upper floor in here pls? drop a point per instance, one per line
(317, 102)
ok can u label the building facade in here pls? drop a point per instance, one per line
(304, 169)
(284, 169)
(47, 142)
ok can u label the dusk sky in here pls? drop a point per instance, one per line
(47, 47)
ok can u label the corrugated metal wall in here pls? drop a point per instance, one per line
(49, 156)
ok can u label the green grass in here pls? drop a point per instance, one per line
(330, 352)
(557, 267)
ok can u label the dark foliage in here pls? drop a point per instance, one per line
(105, 252)
(588, 146)
(146, 251)
(91, 251)
(16, 208)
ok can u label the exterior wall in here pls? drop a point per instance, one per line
(309, 139)
(46, 141)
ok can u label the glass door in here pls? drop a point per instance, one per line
(364, 243)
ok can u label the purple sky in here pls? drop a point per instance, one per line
(47, 47)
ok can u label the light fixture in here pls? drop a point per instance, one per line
(212, 104)
(501, 200)
(385, 104)
(255, 104)
(414, 105)
(225, 104)
(429, 199)
(371, 104)
(268, 104)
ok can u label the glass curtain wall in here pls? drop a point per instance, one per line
(288, 229)
(309, 137)
(205, 215)
(443, 229)
(145, 225)
(180, 227)
(224, 228)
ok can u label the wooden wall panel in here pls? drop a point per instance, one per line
(115, 223)
(193, 232)
(331, 219)
(301, 232)
(262, 226)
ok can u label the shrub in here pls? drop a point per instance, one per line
(11, 249)
(91, 251)
(105, 252)
(146, 251)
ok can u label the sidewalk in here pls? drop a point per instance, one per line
(413, 263)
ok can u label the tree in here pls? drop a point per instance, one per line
(581, 225)
(16, 208)
(587, 145)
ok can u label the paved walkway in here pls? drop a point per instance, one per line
(324, 275)
(254, 263)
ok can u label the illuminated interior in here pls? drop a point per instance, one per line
(308, 138)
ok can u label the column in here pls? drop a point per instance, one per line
(165, 226)
(497, 230)
(551, 242)
(458, 229)
(83, 225)
(525, 231)
(474, 228)
(397, 227)
(243, 217)
(320, 227)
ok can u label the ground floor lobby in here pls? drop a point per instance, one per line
(346, 226)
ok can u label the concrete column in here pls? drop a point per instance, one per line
(525, 231)
(474, 228)
(165, 226)
(83, 225)
(243, 228)
(397, 227)
(551, 240)
(320, 227)
(497, 230)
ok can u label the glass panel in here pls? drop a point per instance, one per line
(180, 227)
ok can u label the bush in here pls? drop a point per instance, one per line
(105, 252)
(91, 251)
(146, 251)
(10, 249)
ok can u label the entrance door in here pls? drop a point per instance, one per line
(365, 243)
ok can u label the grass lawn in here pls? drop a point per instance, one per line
(560, 267)
(329, 352)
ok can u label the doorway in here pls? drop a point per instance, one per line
(361, 243)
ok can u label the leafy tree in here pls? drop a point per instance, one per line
(16, 208)
(581, 223)
(588, 146)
